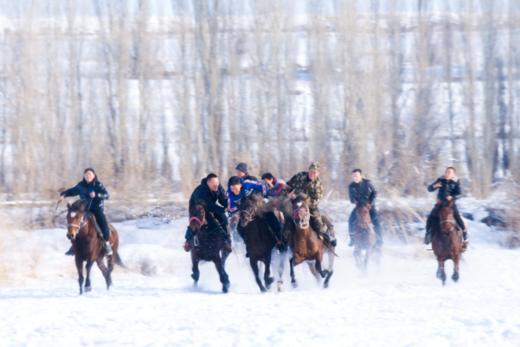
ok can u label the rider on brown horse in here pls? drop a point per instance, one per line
(213, 196)
(308, 183)
(361, 192)
(93, 193)
(449, 190)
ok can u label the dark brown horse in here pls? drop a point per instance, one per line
(305, 243)
(88, 245)
(364, 236)
(259, 237)
(208, 244)
(447, 242)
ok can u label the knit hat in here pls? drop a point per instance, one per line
(242, 167)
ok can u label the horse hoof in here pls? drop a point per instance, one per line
(263, 290)
(269, 281)
(279, 286)
(225, 288)
(88, 289)
(195, 277)
(455, 277)
(294, 284)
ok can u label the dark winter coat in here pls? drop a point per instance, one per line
(362, 192)
(202, 194)
(448, 188)
(83, 189)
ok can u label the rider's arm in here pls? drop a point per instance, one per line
(457, 191)
(431, 187)
(101, 192)
(71, 192)
(372, 193)
(351, 194)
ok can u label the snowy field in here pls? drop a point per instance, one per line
(153, 303)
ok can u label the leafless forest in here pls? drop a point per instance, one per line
(156, 93)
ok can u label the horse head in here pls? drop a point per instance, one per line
(363, 213)
(248, 208)
(301, 213)
(446, 218)
(75, 218)
(197, 217)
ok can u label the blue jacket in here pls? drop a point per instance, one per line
(247, 188)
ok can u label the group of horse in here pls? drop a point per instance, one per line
(260, 240)
(305, 245)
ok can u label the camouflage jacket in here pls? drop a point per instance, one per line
(300, 183)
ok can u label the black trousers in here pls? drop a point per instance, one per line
(101, 219)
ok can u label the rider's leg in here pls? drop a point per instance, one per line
(316, 223)
(460, 222)
(377, 227)
(222, 221)
(429, 223)
(188, 236)
(351, 223)
(101, 219)
(276, 227)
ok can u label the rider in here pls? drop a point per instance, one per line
(242, 171)
(239, 189)
(308, 182)
(93, 193)
(214, 198)
(449, 190)
(361, 191)
(274, 186)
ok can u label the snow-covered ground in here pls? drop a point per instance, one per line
(399, 303)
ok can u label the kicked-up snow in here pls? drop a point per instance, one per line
(154, 302)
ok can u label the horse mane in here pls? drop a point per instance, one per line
(77, 206)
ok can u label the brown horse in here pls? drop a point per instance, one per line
(208, 244)
(364, 236)
(447, 242)
(88, 245)
(305, 243)
(259, 238)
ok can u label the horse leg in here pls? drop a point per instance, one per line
(79, 267)
(224, 279)
(88, 287)
(104, 270)
(254, 265)
(267, 273)
(315, 273)
(456, 261)
(281, 268)
(330, 269)
(323, 273)
(293, 278)
(441, 274)
(195, 273)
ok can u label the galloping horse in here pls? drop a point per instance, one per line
(364, 236)
(447, 242)
(305, 243)
(208, 244)
(88, 244)
(258, 237)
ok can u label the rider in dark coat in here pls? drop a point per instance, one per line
(213, 196)
(449, 190)
(91, 191)
(361, 191)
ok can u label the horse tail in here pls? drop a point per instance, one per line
(118, 260)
